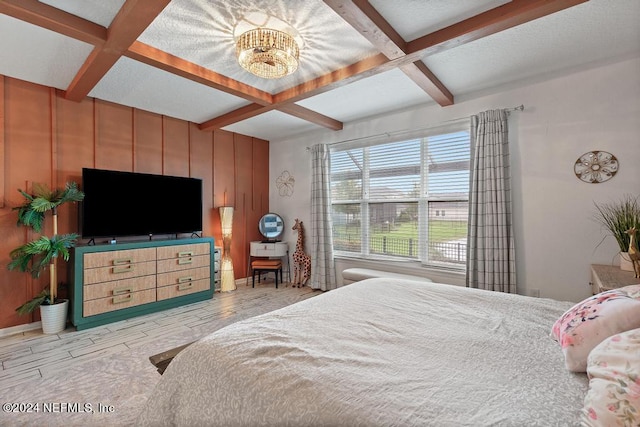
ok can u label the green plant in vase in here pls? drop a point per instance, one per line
(619, 217)
(35, 256)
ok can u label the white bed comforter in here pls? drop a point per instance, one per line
(380, 352)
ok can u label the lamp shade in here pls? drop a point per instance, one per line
(226, 220)
(227, 279)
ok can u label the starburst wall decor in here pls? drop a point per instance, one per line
(285, 183)
(596, 166)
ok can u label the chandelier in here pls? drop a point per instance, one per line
(267, 53)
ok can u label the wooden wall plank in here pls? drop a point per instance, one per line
(95, 133)
(75, 150)
(176, 147)
(244, 189)
(260, 193)
(28, 160)
(147, 142)
(114, 136)
(2, 127)
(201, 165)
(223, 169)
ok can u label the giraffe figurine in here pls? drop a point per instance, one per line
(301, 261)
(634, 254)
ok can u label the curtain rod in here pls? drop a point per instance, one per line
(399, 132)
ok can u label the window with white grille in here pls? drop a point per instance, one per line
(405, 199)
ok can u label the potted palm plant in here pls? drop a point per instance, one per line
(619, 217)
(42, 253)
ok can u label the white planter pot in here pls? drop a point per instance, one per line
(54, 317)
(625, 262)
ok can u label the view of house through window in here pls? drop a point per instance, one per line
(405, 199)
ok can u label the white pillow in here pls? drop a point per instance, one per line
(588, 323)
(613, 398)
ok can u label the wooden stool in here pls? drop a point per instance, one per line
(263, 265)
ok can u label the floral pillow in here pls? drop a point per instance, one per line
(613, 398)
(588, 323)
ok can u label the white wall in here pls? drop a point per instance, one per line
(564, 117)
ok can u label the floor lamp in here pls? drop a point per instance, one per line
(227, 278)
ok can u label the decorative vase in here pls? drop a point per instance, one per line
(54, 317)
(625, 262)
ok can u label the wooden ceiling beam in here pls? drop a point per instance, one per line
(136, 15)
(132, 19)
(253, 110)
(368, 22)
(235, 116)
(362, 16)
(424, 77)
(311, 116)
(502, 17)
(172, 64)
(262, 101)
(335, 79)
(45, 16)
(509, 15)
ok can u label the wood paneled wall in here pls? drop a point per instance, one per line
(47, 139)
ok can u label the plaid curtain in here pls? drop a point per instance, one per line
(323, 274)
(491, 262)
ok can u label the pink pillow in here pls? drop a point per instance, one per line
(588, 323)
(613, 398)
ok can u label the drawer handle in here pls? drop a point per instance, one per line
(122, 298)
(182, 261)
(185, 286)
(123, 269)
(185, 279)
(119, 291)
(122, 261)
(185, 254)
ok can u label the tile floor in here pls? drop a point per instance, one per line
(29, 356)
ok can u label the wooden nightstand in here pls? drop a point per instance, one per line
(606, 277)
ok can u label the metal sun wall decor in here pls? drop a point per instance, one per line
(596, 166)
(285, 183)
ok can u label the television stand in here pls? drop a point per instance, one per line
(115, 282)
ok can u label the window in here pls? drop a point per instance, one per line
(406, 199)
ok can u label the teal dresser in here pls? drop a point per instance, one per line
(120, 281)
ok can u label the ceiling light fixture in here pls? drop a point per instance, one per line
(267, 53)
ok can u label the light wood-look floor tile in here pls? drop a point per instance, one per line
(29, 356)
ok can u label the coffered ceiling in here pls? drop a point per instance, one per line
(358, 58)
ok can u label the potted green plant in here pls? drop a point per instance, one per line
(42, 253)
(617, 218)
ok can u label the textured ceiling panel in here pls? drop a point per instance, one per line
(138, 85)
(388, 91)
(31, 53)
(204, 33)
(562, 41)
(99, 11)
(415, 18)
(271, 126)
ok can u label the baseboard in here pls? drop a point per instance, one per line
(20, 329)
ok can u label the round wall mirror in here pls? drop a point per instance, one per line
(271, 226)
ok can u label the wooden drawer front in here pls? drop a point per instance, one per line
(185, 263)
(184, 276)
(173, 291)
(118, 302)
(183, 251)
(114, 258)
(118, 287)
(119, 272)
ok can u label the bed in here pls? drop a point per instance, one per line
(380, 352)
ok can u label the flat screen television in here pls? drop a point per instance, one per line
(118, 204)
